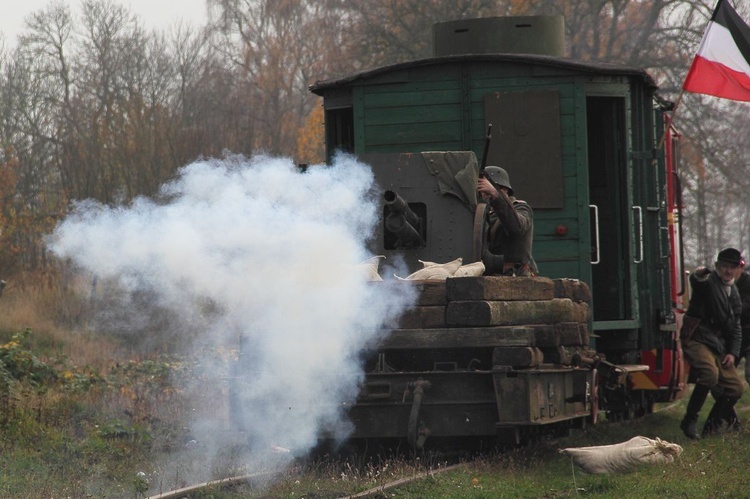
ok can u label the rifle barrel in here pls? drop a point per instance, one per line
(486, 149)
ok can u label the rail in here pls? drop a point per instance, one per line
(224, 482)
(185, 492)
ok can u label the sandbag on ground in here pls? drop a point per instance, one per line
(623, 457)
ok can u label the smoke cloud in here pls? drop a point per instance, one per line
(275, 252)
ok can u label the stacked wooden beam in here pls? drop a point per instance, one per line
(528, 320)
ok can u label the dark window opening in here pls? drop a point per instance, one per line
(340, 130)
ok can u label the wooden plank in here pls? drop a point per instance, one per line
(563, 333)
(428, 292)
(424, 145)
(573, 289)
(423, 318)
(431, 292)
(444, 76)
(546, 335)
(412, 114)
(571, 334)
(500, 288)
(415, 98)
(559, 355)
(506, 336)
(585, 334)
(517, 356)
(499, 313)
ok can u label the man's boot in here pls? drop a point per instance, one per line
(730, 416)
(722, 411)
(689, 424)
(715, 417)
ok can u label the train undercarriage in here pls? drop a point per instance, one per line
(475, 360)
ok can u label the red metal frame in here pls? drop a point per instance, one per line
(670, 379)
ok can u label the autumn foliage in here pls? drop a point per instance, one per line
(8, 219)
(95, 106)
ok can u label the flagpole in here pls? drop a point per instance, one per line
(670, 119)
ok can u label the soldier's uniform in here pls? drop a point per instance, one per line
(711, 330)
(511, 231)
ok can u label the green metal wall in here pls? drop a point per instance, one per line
(439, 105)
(442, 108)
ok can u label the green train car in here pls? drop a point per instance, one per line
(585, 145)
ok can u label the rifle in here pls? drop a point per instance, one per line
(486, 150)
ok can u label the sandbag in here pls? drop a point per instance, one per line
(434, 271)
(623, 457)
(370, 268)
(470, 270)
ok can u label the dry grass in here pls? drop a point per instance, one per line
(74, 439)
(56, 310)
(111, 408)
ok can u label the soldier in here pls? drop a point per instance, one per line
(511, 226)
(711, 336)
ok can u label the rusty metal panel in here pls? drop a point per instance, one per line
(458, 403)
(541, 396)
(527, 142)
(447, 222)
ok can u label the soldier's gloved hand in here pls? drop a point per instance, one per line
(487, 190)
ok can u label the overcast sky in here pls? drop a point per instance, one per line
(153, 13)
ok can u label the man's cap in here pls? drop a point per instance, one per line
(731, 256)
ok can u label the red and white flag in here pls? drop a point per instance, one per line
(721, 66)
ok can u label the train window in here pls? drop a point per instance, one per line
(340, 130)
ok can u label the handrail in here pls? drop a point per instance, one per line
(639, 210)
(596, 238)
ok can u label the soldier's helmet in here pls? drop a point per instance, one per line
(498, 176)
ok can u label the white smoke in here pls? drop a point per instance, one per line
(276, 252)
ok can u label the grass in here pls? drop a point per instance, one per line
(89, 416)
(709, 468)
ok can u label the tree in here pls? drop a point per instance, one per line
(274, 48)
(311, 138)
(98, 107)
(401, 30)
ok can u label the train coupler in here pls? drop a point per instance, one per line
(612, 375)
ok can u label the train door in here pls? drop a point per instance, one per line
(612, 263)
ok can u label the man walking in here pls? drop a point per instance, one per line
(711, 337)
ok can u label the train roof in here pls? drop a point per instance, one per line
(542, 60)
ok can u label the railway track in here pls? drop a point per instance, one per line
(222, 483)
(226, 483)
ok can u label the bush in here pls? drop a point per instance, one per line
(18, 363)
